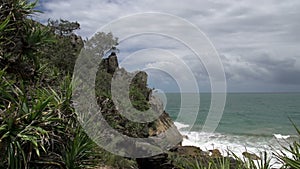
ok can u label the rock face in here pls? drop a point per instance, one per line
(110, 63)
(188, 151)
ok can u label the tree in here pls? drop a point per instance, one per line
(63, 27)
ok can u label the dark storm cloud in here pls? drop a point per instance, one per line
(282, 71)
(287, 77)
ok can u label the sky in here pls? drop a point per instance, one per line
(257, 41)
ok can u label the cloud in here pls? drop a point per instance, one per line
(258, 41)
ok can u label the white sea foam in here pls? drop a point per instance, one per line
(180, 125)
(234, 143)
(279, 136)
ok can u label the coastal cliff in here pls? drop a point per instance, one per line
(142, 100)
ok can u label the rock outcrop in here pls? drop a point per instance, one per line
(161, 128)
(110, 64)
(141, 99)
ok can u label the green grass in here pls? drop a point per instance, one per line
(232, 162)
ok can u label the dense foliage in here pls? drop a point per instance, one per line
(38, 126)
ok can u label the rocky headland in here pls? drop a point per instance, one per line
(141, 98)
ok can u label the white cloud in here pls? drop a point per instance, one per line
(251, 36)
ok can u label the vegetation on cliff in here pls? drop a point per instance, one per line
(38, 125)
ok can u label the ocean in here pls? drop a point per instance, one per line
(252, 122)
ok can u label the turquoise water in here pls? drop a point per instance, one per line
(261, 114)
(252, 122)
